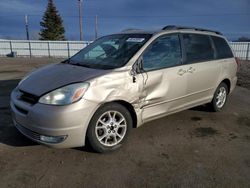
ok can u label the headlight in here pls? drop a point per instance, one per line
(65, 95)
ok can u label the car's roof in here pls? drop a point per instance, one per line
(172, 28)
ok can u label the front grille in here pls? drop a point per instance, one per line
(27, 97)
(27, 132)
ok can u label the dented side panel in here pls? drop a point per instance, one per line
(162, 91)
(152, 94)
(114, 86)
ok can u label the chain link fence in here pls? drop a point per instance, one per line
(241, 50)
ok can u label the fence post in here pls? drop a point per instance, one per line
(68, 50)
(11, 49)
(49, 49)
(30, 49)
(248, 48)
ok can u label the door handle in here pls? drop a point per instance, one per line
(191, 70)
(181, 72)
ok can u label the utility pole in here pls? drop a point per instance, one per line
(27, 27)
(96, 26)
(80, 19)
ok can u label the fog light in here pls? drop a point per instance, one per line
(52, 139)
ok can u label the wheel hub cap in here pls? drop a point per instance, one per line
(111, 128)
(221, 97)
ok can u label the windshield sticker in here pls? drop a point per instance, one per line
(135, 39)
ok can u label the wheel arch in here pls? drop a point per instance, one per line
(228, 83)
(130, 109)
(128, 106)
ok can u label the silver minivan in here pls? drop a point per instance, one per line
(122, 81)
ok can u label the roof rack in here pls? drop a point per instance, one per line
(174, 27)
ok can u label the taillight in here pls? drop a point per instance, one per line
(237, 60)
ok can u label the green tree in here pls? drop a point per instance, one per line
(52, 24)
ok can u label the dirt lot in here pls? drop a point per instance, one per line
(194, 148)
(244, 74)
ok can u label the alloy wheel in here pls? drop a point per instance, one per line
(221, 97)
(111, 128)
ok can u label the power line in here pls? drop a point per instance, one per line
(67, 1)
(143, 16)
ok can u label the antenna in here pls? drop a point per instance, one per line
(80, 19)
(96, 26)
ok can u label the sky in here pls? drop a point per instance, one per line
(231, 17)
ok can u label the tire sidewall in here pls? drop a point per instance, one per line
(91, 135)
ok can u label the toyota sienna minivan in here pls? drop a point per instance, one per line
(122, 81)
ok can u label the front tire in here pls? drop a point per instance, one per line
(220, 97)
(109, 127)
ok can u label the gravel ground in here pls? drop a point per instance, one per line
(16, 68)
(193, 148)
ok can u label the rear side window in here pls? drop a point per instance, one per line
(198, 48)
(222, 48)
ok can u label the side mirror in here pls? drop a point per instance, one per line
(137, 67)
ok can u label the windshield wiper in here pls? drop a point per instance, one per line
(92, 66)
(66, 61)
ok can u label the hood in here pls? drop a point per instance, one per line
(55, 76)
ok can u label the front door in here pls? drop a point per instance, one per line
(163, 81)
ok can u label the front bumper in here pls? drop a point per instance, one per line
(64, 126)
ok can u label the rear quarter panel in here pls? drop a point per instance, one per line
(228, 71)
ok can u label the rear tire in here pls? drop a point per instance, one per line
(220, 97)
(109, 127)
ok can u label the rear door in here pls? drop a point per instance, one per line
(202, 69)
(163, 83)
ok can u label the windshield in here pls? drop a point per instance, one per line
(110, 52)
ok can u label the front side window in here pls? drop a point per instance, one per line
(110, 52)
(198, 48)
(222, 48)
(162, 53)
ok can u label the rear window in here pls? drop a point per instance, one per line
(198, 48)
(222, 48)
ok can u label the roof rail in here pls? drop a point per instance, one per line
(174, 27)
